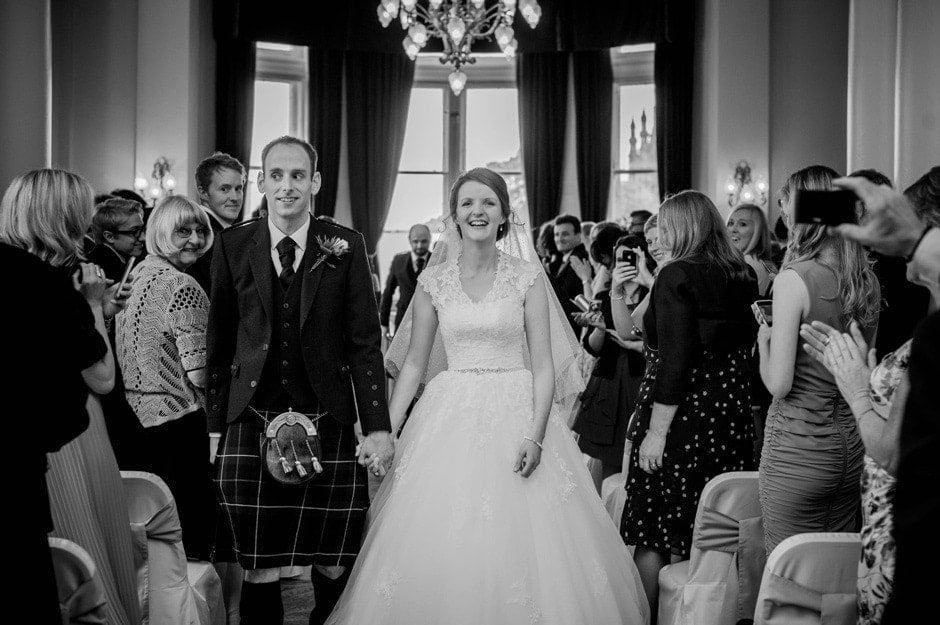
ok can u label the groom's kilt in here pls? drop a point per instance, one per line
(277, 525)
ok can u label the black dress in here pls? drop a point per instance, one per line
(699, 330)
(609, 398)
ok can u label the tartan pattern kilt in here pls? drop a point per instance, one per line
(274, 525)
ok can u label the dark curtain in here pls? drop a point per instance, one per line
(326, 111)
(673, 77)
(593, 106)
(234, 97)
(378, 91)
(542, 80)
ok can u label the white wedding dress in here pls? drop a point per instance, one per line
(455, 535)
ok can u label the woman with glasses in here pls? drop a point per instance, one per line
(161, 347)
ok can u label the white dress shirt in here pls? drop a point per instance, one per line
(299, 237)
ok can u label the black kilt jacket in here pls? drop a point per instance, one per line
(339, 325)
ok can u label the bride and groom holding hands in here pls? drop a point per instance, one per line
(487, 513)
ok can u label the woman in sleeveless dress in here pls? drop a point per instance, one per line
(488, 514)
(812, 455)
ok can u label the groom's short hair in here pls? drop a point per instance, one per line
(289, 140)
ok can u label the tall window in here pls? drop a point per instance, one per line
(281, 79)
(634, 179)
(447, 134)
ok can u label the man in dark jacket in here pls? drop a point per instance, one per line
(403, 276)
(564, 279)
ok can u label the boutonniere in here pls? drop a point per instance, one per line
(330, 247)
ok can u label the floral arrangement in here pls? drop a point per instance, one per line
(330, 247)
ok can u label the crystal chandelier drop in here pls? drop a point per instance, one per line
(458, 23)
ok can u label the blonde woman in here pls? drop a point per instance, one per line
(47, 212)
(812, 453)
(693, 418)
(161, 346)
(747, 226)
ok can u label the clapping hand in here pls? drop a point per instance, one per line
(845, 356)
(592, 319)
(581, 267)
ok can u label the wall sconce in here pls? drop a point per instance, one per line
(742, 190)
(162, 181)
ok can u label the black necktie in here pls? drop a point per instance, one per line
(285, 251)
(420, 264)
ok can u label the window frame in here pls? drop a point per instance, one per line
(631, 65)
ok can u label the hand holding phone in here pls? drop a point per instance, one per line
(124, 281)
(829, 208)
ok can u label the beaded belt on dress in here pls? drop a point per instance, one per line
(480, 370)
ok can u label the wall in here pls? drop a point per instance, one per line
(808, 85)
(25, 87)
(94, 71)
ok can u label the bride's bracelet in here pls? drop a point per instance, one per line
(529, 438)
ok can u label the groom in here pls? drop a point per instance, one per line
(293, 325)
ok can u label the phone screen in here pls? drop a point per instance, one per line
(829, 208)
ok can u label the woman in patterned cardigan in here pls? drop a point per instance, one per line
(161, 345)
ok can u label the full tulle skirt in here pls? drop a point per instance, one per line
(457, 537)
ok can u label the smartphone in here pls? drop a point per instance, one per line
(829, 208)
(766, 309)
(127, 273)
(627, 256)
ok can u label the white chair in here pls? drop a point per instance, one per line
(81, 598)
(718, 585)
(172, 591)
(810, 579)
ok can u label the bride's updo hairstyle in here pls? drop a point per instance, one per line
(492, 180)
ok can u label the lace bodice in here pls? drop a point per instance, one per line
(485, 334)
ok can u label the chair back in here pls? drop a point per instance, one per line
(718, 585)
(811, 579)
(81, 597)
(162, 575)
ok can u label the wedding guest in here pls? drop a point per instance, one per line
(751, 236)
(892, 227)
(812, 454)
(41, 330)
(564, 278)
(47, 212)
(903, 303)
(118, 226)
(609, 397)
(586, 233)
(220, 186)
(403, 276)
(545, 244)
(133, 196)
(638, 219)
(694, 422)
(161, 347)
(924, 196)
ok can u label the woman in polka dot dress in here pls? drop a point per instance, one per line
(693, 419)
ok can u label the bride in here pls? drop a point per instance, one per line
(488, 514)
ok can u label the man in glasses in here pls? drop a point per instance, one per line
(118, 227)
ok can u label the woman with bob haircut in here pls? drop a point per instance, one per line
(750, 234)
(161, 345)
(47, 213)
(812, 453)
(693, 417)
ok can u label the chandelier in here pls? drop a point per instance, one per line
(458, 23)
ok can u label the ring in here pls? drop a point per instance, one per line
(826, 342)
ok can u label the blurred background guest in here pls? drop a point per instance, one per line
(747, 226)
(545, 244)
(161, 340)
(812, 454)
(694, 420)
(565, 280)
(47, 212)
(403, 276)
(638, 219)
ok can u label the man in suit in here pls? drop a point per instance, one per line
(220, 185)
(564, 279)
(293, 326)
(403, 275)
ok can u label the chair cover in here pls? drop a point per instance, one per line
(81, 598)
(166, 594)
(810, 579)
(719, 583)
(614, 496)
